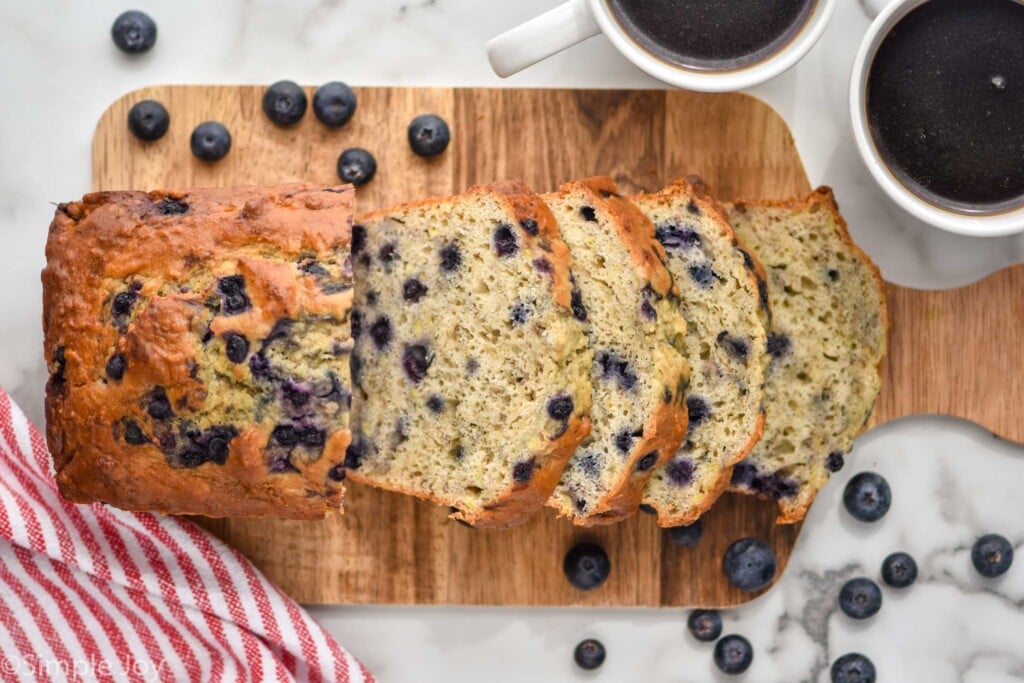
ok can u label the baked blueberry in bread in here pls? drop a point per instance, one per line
(720, 296)
(827, 338)
(626, 294)
(471, 363)
(197, 343)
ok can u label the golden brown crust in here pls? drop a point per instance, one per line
(96, 247)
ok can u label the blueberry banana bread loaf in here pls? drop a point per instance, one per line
(197, 344)
(471, 363)
(623, 289)
(721, 287)
(827, 338)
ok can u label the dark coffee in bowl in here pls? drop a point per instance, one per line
(713, 35)
(945, 103)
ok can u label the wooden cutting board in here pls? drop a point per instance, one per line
(950, 351)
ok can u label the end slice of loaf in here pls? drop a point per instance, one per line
(623, 289)
(828, 336)
(471, 372)
(721, 288)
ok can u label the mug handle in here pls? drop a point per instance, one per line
(541, 37)
(873, 8)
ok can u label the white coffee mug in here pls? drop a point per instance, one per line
(887, 14)
(577, 20)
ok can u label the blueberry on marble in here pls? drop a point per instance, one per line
(413, 290)
(416, 361)
(358, 239)
(520, 313)
(529, 226)
(616, 368)
(123, 302)
(588, 213)
(159, 406)
(899, 570)
(673, 236)
(148, 120)
(451, 257)
(679, 471)
(705, 625)
(133, 433)
(703, 275)
(579, 311)
(867, 497)
(698, 410)
(686, 535)
(381, 333)
(284, 103)
(236, 346)
(734, 346)
(505, 243)
(116, 366)
(233, 296)
(733, 654)
(356, 166)
(589, 654)
(852, 668)
(435, 403)
(560, 407)
(586, 566)
(429, 135)
(334, 104)
(134, 32)
(210, 141)
(749, 564)
(647, 462)
(522, 472)
(169, 206)
(992, 555)
(860, 598)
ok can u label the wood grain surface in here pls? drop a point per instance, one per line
(393, 549)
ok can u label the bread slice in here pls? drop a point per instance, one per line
(726, 317)
(471, 371)
(639, 376)
(828, 336)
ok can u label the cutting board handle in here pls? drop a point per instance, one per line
(958, 352)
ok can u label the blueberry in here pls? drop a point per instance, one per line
(589, 464)
(313, 437)
(416, 361)
(749, 564)
(210, 141)
(579, 311)
(505, 243)
(413, 290)
(586, 566)
(116, 366)
(589, 654)
(899, 570)
(860, 598)
(560, 407)
(236, 347)
(698, 410)
(429, 135)
(334, 104)
(992, 555)
(529, 226)
(134, 32)
(372, 297)
(679, 471)
(148, 120)
(675, 237)
(381, 333)
(853, 668)
(169, 206)
(159, 406)
(588, 214)
(543, 266)
(648, 509)
(520, 313)
(686, 535)
(355, 453)
(834, 461)
(355, 320)
(358, 238)
(703, 275)
(388, 253)
(284, 103)
(123, 302)
(705, 625)
(733, 654)
(286, 435)
(867, 497)
(522, 472)
(647, 310)
(356, 166)
(693, 208)
(232, 291)
(615, 368)
(451, 257)
(337, 473)
(647, 462)
(435, 403)
(133, 433)
(734, 346)
(295, 394)
(624, 440)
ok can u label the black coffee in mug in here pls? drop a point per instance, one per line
(945, 103)
(712, 35)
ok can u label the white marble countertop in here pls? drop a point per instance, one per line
(951, 481)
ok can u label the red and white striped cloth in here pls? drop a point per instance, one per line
(93, 593)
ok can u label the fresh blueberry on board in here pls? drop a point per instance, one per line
(586, 566)
(705, 625)
(853, 668)
(860, 598)
(867, 497)
(210, 141)
(589, 654)
(148, 120)
(733, 654)
(334, 104)
(429, 135)
(134, 32)
(356, 166)
(992, 555)
(687, 535)
(899, 570)
(749, 564)
(284, 103)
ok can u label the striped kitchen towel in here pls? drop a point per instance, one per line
(88, 592)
